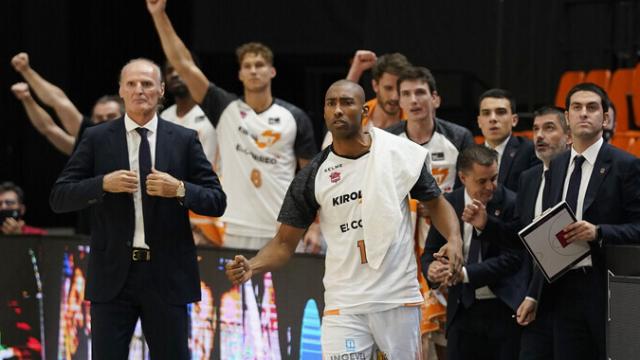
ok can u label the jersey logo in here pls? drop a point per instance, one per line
(256, 178)
(437, 156)
(267, 138)
(440, 174)
(274, 120)
(334, 176)
(243, 114)
(200, 118)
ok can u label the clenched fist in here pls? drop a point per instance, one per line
(21, 90)
(156, 6)
(162, 184)
(20, 62)
(120, 181)
(238, 271)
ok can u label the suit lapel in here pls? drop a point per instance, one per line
(119, 148)
(507, 158)
(530, 192)
(494, 208)
(162, 158)
(558, 169)
(600, 170)
(457, 201)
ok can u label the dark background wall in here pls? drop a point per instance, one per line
(521, 45)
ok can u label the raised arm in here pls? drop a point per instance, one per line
(271, 257)
(176, 52)
(50, 94)
(42, 121)
(362, 61)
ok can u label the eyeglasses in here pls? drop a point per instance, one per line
(8, 202)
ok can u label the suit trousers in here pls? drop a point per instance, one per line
(579, 318)
(165, 326)
(486, 330)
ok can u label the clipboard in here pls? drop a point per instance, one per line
(544, 240)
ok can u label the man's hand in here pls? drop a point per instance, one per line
(11, 226)
(156, 6)
(475, 214)
(526, 312)
(363, 60)
(120, 181)
(162, 184)
(438, 272)
(238, 271)
(312, 239)
(580, 231)
(451, 254)
(21, 90)
(20, 62)
(422, 210)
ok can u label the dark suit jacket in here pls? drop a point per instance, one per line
(530, 182)
(612, 200)
(500, 268)
(518, 156)
(102, 150)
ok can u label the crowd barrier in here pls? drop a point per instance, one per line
(43, 313)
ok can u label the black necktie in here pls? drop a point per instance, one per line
(144, 164)
(574, 184)
(546, 190)
(468, 292)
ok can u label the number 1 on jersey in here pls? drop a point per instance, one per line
(363, 252)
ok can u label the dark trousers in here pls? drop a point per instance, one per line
(165, 326)
(579, 315)
(537, 341)
(486, 330)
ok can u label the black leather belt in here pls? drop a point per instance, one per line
(139, 254)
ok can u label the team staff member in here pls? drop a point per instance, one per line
(600, 183)
(496, 118)
(141, 175)
(371, 265)
(551, 136)
(490, 286)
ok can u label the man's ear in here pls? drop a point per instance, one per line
(365, 110)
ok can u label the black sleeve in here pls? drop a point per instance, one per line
(426, 188)
(305, 144)
(215, 101)
(300, 207)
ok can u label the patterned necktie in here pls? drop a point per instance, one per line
(574, 184)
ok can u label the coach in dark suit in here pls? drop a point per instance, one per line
(551, 136)
(496, 119)
(490, 288)
(140, 175)
(601, 183)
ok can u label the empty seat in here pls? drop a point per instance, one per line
(567, 81)
(600, 77)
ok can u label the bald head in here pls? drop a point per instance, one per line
(145, 61)
(350, 87)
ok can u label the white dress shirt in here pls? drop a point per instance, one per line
(500, 148)
(133, 146)
(590, 154)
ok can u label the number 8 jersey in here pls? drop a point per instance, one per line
(331, 187)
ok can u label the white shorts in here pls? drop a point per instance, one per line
(395, 333)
